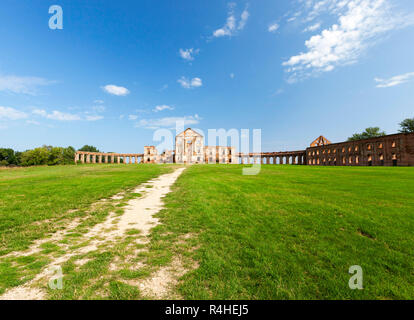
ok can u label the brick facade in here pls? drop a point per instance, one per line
(391, 150)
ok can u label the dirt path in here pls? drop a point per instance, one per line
(138, 214)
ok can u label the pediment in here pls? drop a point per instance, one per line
(189, 133)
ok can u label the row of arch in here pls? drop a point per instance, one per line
(273, 159)
(349, 160)
(97, 157)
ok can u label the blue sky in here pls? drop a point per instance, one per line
(120, 69)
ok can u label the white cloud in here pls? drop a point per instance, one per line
(189, 84)
(168, 122)
(40, 112)
(228, 29)
(63, 116)
(25, 85)
(231, 26)
(57, 115)
(243, 19)
(315, 8)
(93, 117)
(132, 117)
(188, 54)
(273, 27)
(394, 81)
(7, 113)
(295, 16)
(162, 107)
(98, 101)
(313, 27)
(116, 90)
(98, 108)
(360, 24)
(196, 82)
(33, 122)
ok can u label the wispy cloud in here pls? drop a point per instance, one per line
(188, 54)
(93, 117)
(64, 116)
(162, 107)
(8, 113)
(25, 85)
(243, 19)
(36, 123)
(313, 27)
(132, 117)
(189, 84)
(232, 23)
(98, 108)
(167, 122)
(56, 115)
(360, 23)
(273, 27)
(394, 81)
(116, 90)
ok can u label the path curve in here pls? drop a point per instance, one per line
(138, 214)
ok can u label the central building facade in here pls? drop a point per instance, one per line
(190, 148)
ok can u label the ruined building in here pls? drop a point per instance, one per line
(190, 148)
(391, 150)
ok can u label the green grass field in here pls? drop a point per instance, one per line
(32, 199)
(291, 232)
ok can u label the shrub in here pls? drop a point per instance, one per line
(7, 157)
(48, 155)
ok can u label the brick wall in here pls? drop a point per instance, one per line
(391, 150)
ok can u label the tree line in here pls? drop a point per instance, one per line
(45, 155)
(49, 155)
(406, 126)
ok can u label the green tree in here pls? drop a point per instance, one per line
(69, 155)
(37, 156)
(407, 125)
(371, 132)
(89, 148)
(18, 156)
(55, 156)
(7, 157)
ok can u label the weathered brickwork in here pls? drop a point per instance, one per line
(100, 157)
(190, 148)
(391, 150)
(285, 157)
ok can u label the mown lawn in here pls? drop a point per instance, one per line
(33, 199)
(292, 232)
